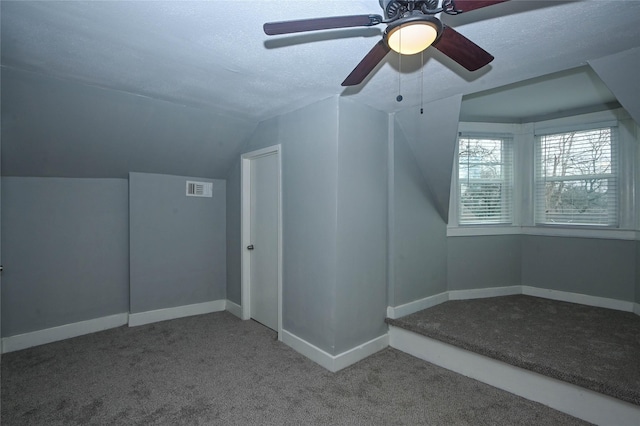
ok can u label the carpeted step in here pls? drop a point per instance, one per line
(594, 348)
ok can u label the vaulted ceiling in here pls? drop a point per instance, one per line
(212, 56)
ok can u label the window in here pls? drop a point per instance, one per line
(576, 178)
(573, 176)
(485, 164)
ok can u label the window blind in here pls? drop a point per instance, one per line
(485, 179)
(577, 177)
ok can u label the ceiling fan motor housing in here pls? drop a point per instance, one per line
(397, 8)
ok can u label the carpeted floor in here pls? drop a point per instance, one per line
(217, 370)
(596, 348)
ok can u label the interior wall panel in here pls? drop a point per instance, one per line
(66, 251)
(308, 138)
(420, 234)
(234, 235)
(177, 243)
(484, 261)
(595, 267)
(638, 272)
(361, 246)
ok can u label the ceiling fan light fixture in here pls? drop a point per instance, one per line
(414, 34)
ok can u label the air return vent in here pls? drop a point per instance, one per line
(199, 189)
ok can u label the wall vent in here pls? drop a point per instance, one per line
(199, 189)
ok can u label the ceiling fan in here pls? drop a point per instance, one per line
(412, 26)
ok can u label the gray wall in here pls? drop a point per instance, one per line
(484, 261)
(334, 221)
(234, 235)
(419, 239)
(595, 267)
(177, 243)
(618, 72)
(361, 246)
(0, 211)
(66, 252)
(309, 201)
(637, 272)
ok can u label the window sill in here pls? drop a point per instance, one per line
(478, 230)
(549, 231)
(586, 232)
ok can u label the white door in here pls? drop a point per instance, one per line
(264, 239)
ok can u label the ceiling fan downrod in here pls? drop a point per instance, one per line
(396, 9)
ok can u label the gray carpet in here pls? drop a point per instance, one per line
(596, 348)
(217, 370)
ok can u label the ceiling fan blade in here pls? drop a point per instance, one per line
(468, 5)
(368, 63)
(462, 50)
(302, 25)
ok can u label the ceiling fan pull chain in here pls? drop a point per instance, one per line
(399, 97)
(422, 82)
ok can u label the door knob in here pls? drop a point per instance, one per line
(250, 247)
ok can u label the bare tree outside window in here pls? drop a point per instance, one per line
(576, 180)
(484, 180)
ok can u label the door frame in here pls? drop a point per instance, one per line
(245, 208)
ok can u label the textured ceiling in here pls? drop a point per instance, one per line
(214, 54)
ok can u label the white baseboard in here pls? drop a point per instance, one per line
(394, 312)
(148, 317)
(334, 363)
(360, 352)
(585, 404)
(67, 331)
(563, 296)
(234, 308)
(484, 292)
(583, 299)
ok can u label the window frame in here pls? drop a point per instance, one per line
(524, 173)
(614, 174)
(475, 129)
(506, 180)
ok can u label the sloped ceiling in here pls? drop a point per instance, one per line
(57, 128)
(568, 92)
(432, 137)
(615, 69)
(213, 55)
